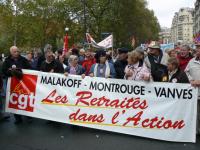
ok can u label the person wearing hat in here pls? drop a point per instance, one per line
(193, 72)
(102, 68)
(121, 63)
(156, 61)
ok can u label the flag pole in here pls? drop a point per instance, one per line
(112, 47)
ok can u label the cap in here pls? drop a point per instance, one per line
(154, 45)
(139, 49)
(123, 50)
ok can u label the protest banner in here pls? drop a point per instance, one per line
(164, 111)
(105, 44)
(169, 46)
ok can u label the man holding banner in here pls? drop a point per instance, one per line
(193, 72)
(12, 67)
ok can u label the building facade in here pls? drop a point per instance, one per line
(165, 35)
(197, 18)
(182, 26)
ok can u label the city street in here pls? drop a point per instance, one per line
(124, 75)
(42, 135)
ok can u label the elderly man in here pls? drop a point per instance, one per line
(12, 67)
(193, 72)
(121, 63)
(13, 61)
(50, 64)
(156, 61)
(184, 57)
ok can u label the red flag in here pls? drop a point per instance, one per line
(66, 40)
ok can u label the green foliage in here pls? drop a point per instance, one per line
(37, 22)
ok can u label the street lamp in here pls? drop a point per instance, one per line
(66, 29)
(15, 24)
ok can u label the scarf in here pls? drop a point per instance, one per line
(107, 72)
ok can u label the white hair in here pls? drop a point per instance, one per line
(47, 48)
(71, 58)
(13, 47)
(82, 50)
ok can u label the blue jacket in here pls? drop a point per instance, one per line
(112, 70)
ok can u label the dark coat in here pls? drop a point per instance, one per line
(55, 65)
(40, 60)
(20, 63)
(120, 66)
(179, 77)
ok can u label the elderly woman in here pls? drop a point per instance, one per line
(175, 74)
(74, 68)
(136, 70)
(102, 68)
(81, 56)
(172, 53)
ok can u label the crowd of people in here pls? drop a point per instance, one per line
(147, 65)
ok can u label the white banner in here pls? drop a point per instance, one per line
(169, 46)
(107, 42)
(165, 111)
(91, 41)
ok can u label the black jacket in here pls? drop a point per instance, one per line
(20, 62)
(40, 61)
(55, 65)
(159, 71)
(179, 77)
(120, 66)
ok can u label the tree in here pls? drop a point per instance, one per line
(37, 22)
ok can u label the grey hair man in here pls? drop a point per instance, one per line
(193, 72)
(13, 66)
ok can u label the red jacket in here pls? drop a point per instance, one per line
(87, 64)
(183, 62)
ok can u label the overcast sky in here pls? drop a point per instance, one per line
(165, 9)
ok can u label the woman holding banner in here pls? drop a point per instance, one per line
(136, 69)
(102, 68)
(175, 74)
(73, 67)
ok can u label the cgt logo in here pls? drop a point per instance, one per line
(22, 95)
